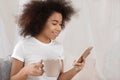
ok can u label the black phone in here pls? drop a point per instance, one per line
(85, 54)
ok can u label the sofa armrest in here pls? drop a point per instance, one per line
(5, 68)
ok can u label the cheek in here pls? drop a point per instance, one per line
(49, 29)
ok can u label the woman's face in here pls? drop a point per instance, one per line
(53, 26)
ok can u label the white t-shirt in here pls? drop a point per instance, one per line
(30, 50)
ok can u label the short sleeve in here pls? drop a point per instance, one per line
(18, 52)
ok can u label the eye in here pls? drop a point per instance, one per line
(60, 24)
(54, 23)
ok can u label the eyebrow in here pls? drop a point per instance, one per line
(57, 21)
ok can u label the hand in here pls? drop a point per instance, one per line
(35, 69)
(78, 66)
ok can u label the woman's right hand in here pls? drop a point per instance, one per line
(35, 69)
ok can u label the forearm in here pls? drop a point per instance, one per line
(68, 75)
(21, 75)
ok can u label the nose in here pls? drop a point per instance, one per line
(58, 28)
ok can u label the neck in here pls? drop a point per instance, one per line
(43, 39)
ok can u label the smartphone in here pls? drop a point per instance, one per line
(85, 54)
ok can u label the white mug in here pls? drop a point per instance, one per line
(52, 67)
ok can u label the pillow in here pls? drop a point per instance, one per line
(5, 68)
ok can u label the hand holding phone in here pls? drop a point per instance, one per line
(85, 54)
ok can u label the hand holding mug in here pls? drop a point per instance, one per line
(35, 69)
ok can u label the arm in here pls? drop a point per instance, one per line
(72, 72)
(19, 72)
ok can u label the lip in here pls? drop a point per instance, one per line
(56, 33)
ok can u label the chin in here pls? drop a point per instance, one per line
(53, 38)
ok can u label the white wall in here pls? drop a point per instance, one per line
(8, 10)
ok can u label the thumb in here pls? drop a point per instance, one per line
(39, 64)
(41, 61)
(74, 62)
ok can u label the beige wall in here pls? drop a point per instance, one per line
(8, 10)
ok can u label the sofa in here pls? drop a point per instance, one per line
(5, 68)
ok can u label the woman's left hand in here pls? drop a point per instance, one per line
(78, 66)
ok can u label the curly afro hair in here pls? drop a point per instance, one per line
(36, 13)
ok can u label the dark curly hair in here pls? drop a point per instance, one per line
(36, 13)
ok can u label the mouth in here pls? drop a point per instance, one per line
(56, 33)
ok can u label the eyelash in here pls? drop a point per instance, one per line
(61, 25)
(56, 24)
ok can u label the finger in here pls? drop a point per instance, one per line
(39, 65)
(78, 64)
(39, 72)
(83, 62)
(75, 61)
(41, 61)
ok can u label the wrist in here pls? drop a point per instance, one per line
(25, 71)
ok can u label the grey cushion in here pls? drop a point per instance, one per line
(5, 68)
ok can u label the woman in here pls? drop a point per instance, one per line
(41, 22)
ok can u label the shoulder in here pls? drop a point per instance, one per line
(20, 43)
(25, 41)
